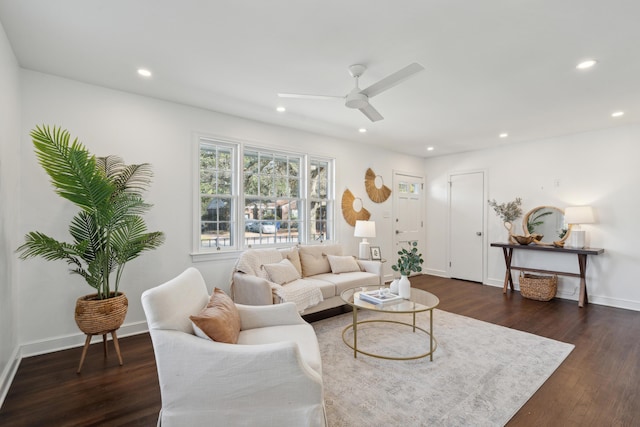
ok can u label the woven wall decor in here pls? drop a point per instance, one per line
(349, 213)
(376, 194)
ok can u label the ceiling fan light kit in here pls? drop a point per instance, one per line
(359, 98)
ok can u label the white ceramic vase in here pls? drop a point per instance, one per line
(393, 287)
(404, 287)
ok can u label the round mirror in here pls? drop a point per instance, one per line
(546, 225)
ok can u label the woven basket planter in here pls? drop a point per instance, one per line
(100, 316)
(540, 288)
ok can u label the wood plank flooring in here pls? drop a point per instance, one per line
(597, 385)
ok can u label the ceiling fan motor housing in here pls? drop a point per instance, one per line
(355, 99)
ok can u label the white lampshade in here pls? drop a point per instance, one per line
(578, 215)
(364, 229)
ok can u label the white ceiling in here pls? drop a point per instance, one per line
(491, 66)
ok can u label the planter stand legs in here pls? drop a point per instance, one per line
(104, 345)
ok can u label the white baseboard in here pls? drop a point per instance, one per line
(615, 302)
(64, 342)
(439, 273)
(8, 373)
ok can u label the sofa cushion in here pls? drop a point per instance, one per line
(328, 289)
(282, 272)
(314, 258)
(349, 280)
(302, 334)
(220, 319)
(292, 255)
(342, 264)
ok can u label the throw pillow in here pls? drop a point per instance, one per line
(314, 258)
(343, 264)
(282, 272)
(292, 255)
(220, 319)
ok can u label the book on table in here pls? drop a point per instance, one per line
(379, 297)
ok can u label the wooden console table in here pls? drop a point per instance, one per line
(507, 250)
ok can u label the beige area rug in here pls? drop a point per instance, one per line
(481, 373)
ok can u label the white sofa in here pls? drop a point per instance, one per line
(323, 273)
(271, 377)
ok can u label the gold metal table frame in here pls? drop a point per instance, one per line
(419, 301)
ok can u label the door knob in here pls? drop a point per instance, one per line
(478, 233)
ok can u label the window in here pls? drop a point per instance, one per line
(320, 203)
(217, 199)
(272, 198)
(252, 196)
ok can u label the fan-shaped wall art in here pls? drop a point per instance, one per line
(376, 194)
(349, 211)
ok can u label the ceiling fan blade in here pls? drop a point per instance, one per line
(305, 96)
(393, 79)
(371, 113)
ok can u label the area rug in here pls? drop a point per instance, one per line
(481, 374)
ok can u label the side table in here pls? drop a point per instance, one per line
(508, 248)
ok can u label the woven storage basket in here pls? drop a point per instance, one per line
(541, 288)
(97, 317)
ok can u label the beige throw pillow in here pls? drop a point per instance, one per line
(220, 319)
(314, 258)
(282, 272)
(343, 264)
(292, 255)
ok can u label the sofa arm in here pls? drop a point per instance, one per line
(255, 316)
(251, 290)
(374, 267)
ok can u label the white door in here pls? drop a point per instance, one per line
(466, 231)
(407, 205)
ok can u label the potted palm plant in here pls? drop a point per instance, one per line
(107, 232)
(408, 261)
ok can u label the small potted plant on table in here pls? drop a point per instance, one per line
(408, 261)
(508, 212)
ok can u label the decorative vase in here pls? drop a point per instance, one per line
(393, 287)
(404, 287)
(99, 316)
(509, 227)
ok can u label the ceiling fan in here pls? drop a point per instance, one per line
(359, 98)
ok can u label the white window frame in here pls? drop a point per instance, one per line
(238, 148)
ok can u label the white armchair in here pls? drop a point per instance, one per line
(272, 377)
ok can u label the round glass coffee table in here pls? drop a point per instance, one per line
(420, 301)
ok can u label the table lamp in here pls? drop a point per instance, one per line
(576, 215)
(364, 229)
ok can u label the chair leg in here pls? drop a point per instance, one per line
(104, 345)
(117, 346)
(84, 352)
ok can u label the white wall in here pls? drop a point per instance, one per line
(148, 130)
(595, 168)
(9, 208)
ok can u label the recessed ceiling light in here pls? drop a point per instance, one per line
(281, 109)
(617, 114)
(144, 73)
(362, 130)
(503, 135)
(430, 148)
(586, 64)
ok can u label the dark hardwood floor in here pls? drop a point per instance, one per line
(597, 385)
